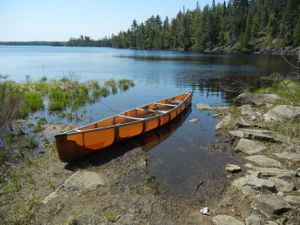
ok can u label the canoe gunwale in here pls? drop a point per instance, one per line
(77, 130)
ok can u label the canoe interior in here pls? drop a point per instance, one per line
(101, 134)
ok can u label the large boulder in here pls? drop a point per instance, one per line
(270, 205)
(226, 220)
(255, 219)
(265, 161)
(249, 147)
(282, 113)
(256, 99)
(293, 200)
(275, 172)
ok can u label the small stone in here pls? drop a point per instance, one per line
(50, 197)
(262, 160)
(204, 211)
(295, 157)
(270, 205)
(194, 120)
(293, 200)
(282, 185)
(127, 219)
(248, 166)
(232, 168)
(280, 193)
(224, 122)
(255, 220)
(202, 106)
(250, 147)
(226, 220)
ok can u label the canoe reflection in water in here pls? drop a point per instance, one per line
(145, 142)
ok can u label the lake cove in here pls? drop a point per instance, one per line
(166, 176)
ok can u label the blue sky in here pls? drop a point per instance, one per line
(48, 20)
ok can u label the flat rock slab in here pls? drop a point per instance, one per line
(295, 157)
(249, 147)
(282, 185)
(224, 122)
(82, 181)
(89, 219)
(293, 200)
(256, 134)
(226, 220)
(264, 161)
(232, 168)
(276, 172)
(253, 181)
(203, 106)
(270, 205)
(282, 113)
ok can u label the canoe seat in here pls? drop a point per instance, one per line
(131, 117)
(157, 103)
(176, 102)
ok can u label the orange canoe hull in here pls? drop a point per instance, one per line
(78, 142)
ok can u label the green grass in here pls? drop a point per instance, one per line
(110, 216)
(288, 90)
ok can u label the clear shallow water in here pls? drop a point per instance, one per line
(181, 159)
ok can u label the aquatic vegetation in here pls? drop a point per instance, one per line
(30, 102)
(113, 85)
(125, 84)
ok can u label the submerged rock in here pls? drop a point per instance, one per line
(249, 147)
(226, 220)
(282, 113)
(194, 120)
(232, 168)
(295, 157)
(203, 106)
(282, 185)
(265, 161)
(270, 205)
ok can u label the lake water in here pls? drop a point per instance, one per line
(181, 160)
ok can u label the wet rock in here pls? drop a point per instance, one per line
(226, 220)
(82, 181)
(89, 219)
(264, 161)
(276, 172)
(248, 111)
(282, 113)
(257, 99)
(270, 205)
(202, 106)
(127, 219)
(282, 185)
(224, 122)
(257, 134)
(253, 181)
(249, 147)
(194, 120)
(293, 200)
(295, 157)
(255, 220)
(232, 168)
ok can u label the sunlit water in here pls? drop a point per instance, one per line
(180, 161)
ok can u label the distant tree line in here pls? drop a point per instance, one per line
(88, 42)
(240, 22)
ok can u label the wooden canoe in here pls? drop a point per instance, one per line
(81, 141)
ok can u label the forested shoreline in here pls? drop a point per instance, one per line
(236, 26)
